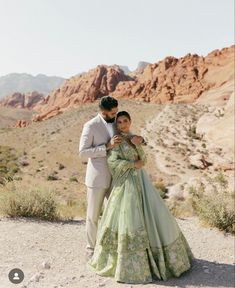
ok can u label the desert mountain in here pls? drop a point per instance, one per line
(24, 83)
(141, 65)
(125, 69)
(22, 100)
(171, 80)
(85, 88)
(182, 80)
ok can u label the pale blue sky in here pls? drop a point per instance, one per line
(65, 37)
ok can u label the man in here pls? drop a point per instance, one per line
(98, 136)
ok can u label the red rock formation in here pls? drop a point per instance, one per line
(21, 124)
(81, 89)
(171, 80)
(180, 80)
(22, 100)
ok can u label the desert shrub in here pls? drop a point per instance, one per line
(180, 207)
(52, 177)
(192, 133)
(34, 202)
(73, 179)
(161, 188)
(217, 208)
(8, 164)
(73, 208)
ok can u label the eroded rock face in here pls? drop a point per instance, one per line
(180, 80)
(172, 80)
(22, 100)
(218, 125)
(21, 124)
(85, 88)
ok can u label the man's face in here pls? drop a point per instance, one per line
(109, 115)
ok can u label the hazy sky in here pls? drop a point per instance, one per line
(65, 37)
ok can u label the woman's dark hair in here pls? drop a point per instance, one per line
(108, 103)
(123, 113)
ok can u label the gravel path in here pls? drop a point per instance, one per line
(52, 255)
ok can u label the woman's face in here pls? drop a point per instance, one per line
(123, 124)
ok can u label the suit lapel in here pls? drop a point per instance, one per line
(102, 126)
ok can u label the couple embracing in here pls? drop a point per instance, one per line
(136, 239)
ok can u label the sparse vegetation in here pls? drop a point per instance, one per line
(73, 208)
(34, 202)
(73, 179)
(61, 166)
(217, 208)
(161, 188)
(52, 177)
(192, 133)
(180, 207)
(24, 162)
(8, 164)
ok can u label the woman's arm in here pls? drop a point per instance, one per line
(117, 163)
(141, 153)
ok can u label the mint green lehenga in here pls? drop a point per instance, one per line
(138, 238)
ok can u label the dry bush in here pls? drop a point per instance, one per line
(217, 208)
(160, 187)
(33, 202)
(8, 163)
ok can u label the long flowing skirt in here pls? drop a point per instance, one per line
(138, 238)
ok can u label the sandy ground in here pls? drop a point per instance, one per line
(53, 255)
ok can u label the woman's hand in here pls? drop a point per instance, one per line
(115, 141)
(136, 140)
(139, 164)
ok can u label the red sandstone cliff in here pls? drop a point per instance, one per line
(180, 80)
(81, 89)
(171, 80)
(22, 100)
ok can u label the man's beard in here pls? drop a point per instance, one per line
(109, 120)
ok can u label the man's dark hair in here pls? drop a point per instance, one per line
(123, 113)
(108, 103)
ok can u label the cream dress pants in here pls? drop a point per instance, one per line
(95, 199)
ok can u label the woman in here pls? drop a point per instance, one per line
(138, 239)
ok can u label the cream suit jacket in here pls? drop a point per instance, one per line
(92, 149)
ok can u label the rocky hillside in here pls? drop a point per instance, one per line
(180, 80)
(85, 88)
(171, 80)
(24, 83)
(22, 100)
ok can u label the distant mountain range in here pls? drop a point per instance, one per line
(141, 65)
(27, 83)
(24, 83)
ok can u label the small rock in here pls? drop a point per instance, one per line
(46, 265)
(207, 271)
(35, 278)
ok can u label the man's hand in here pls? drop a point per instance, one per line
(115, 141)
(136, 140)
(139, 164)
